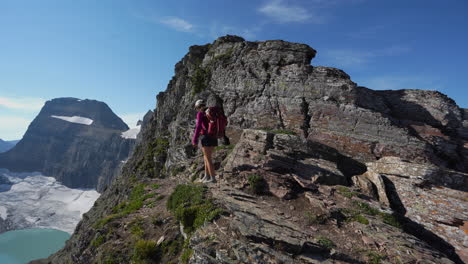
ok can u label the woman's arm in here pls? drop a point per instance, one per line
(198, 128)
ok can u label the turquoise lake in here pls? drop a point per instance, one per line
(22, 246)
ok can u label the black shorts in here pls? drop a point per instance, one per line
(208, 141)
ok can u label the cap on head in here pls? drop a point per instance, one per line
(199, 103)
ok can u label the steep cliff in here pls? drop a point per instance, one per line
(78, 142)
(295, 186)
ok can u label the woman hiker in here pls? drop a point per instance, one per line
(208, 142)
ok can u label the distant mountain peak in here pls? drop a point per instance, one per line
(79, 142)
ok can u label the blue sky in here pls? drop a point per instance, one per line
(123, 52)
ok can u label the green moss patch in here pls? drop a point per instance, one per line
(387, 218)
(316, 219)
(257, 184)
(191, 207)
(146, 251)
(136, 227)
(200, 79)
(135, 202)
(185, 257)
(325, 242)
(98, 240)
(346, 192)
(226, 147)
(155, 155)
(281, 131)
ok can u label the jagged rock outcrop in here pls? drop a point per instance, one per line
(78, 142)
(432, 196)
(299, 130)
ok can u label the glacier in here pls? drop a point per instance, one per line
(75, 119)
(32, 200)
(132, 133)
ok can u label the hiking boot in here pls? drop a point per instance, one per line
(203, 179)
(209, 180)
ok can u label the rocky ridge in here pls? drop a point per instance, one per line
(76, 153)
(6, 145)
(323, 170)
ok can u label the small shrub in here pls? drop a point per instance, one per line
(160, 197)
(194, 177)
(111, 258)
(391, 220)
(227, 147)
(366, 208)
(257, 183)
(152, 163)
(325, 242)
(360, 219)
(155, 186)
(172, 247)
(98, 240)
(225, 57)
(157, 221)
(136, 227)
(316, 219)
(374, 257)
(134, 203)
(199, 80)
(177, 170)
(353, 215)
(346, 192)
(146, 250)
(106, 220)
(281, 131)
(190, 206)
(185, 257)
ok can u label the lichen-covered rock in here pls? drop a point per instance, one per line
(434, 197)
(287, 159)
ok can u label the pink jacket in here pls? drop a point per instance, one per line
(201, 127)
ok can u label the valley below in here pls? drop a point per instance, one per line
(32, 200)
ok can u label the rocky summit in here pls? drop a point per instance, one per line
(78, 142)
(320, 170)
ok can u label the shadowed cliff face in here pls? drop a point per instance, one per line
(301, 132)
(79, 154)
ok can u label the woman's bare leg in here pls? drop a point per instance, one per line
(209, 154)
(205, 160)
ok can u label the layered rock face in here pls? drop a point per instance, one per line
(302, 133)
(432, 196)
(78, 142)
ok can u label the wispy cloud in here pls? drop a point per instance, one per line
(13, 127)
(25, 104)
(173, 22)
(350, 57)
(281, 12)
(131, 119)
(178, 24)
